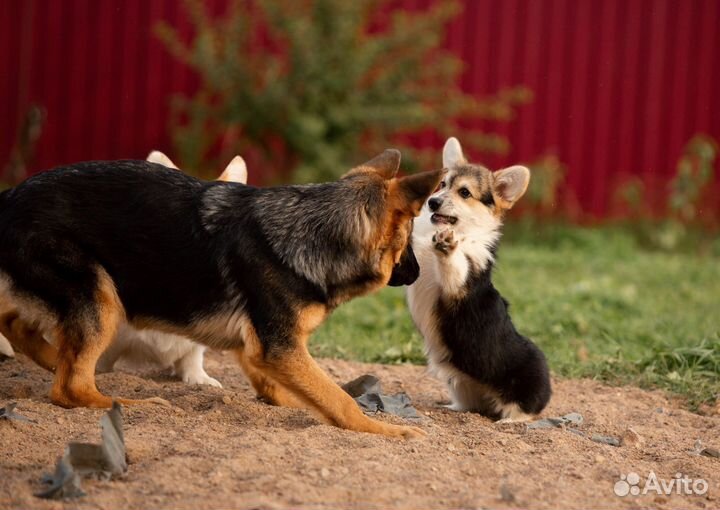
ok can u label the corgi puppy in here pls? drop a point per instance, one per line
(180, 354)
(86, 247)
(470, 340)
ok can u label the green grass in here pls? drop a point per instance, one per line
(597, 303)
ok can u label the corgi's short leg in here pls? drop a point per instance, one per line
(112, 354)
(266, 388)
(81, 339)
(28, 340)
(190, 368)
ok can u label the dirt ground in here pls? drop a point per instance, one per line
(224, 449)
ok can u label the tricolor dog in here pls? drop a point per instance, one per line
(470, 341)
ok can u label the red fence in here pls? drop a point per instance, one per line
(620, 85)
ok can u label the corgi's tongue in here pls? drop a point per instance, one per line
(445, 220)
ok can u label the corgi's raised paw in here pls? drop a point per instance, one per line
(444, 241)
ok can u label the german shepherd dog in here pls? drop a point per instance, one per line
(86, 247)
(470, 340)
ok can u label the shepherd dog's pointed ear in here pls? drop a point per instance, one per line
(509, 184)
(386, 165)
(236, 171)
(161, 159)
(413, 190)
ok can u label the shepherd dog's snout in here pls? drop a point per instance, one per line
(435, 203)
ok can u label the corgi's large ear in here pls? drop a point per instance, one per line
(509, 184)
(161, 159)
(236, 171)
(452, 153)
(413, 190)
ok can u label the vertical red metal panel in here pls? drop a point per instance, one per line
(606, 97)
(556, 91)
(155, 86)
(477, 52)
(108, 75)
(627, 120)
(53, 54)
(707, 31)
(131, 61)
(578, 103)
(517, 74)
(541, 83)
(533, 42)
(504, 54)
(715, 114)
(76, 77)
(651, 92)
(9, 52)
(680, 77)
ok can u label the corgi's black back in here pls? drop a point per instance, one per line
(484, 344)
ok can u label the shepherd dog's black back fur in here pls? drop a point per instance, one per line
(163, 210)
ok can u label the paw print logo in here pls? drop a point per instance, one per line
(627, 485)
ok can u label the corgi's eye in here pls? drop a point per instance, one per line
(442, 184)
(464, 192)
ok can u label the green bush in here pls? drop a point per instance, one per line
(307, 88)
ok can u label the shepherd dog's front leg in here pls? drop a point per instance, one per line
(267, 389)
(298, 373)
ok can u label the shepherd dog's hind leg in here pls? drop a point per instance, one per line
(28, 340)
(81, 339)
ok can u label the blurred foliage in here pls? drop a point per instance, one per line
(682, 225)
(694, 173)
(629, 197)
(313, 86)
(548, 173)
(23, 150)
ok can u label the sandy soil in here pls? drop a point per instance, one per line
(225, 449)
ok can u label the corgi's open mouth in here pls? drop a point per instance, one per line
(442, 219)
